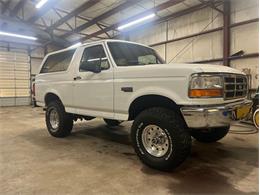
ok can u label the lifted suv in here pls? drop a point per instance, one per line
(125, 81)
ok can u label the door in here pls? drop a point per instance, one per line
(93, 92)
(14, 78)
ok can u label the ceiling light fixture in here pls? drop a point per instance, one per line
(40, 4)
(136, 21)
(17, 35)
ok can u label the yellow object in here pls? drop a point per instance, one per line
(242, 112)
(205, 93)
(256, 118)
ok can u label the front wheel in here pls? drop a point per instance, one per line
(256, 118)
(58, 122)
(160, 138)
(210, 135)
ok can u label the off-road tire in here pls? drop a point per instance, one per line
(179, 138)
(210, 135)
(65, 120)
(256, 118)
(112, 123)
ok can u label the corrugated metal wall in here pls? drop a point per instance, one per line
(35, 65)
(207, 46)
(14, 78)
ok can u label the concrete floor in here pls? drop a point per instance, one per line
(96, 159)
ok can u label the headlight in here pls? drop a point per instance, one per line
(206, 86)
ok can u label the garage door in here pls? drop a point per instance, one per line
(14, 79)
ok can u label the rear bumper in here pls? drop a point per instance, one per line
(211, 116)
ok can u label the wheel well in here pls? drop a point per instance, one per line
(49, 97)
(144, 102)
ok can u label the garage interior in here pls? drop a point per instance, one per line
(97, 159)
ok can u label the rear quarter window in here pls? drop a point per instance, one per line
(58, 62)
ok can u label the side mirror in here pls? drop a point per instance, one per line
(90, 66)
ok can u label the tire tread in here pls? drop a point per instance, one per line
(184, 143)
(66, 120)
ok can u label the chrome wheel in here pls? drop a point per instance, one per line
(54, 119)
(155, 140)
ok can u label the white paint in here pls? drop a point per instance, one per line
(75, 45)
(100, 94)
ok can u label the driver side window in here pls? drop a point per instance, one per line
(94, 56)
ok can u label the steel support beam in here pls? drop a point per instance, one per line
(251, 55)
(75, 12)
(43, 10)
(244, 22)
(78, 16)
(172, 16)
(5, 6)
(155, 9)
(188, 36)
(17, 8)
(205, 32)
(14, 25)
(187, 11)
(226, 32)
(103, 16)
(212, 5)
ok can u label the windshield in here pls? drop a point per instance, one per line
(128, 54)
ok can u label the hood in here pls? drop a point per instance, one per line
(171, 70)
(213, 68)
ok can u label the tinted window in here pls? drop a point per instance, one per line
(94, 56)
(127, 54)
(58, 62)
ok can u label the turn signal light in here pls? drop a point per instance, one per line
(195, 93)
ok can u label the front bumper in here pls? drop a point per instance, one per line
(211, 116)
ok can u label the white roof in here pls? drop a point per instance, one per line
(96, 42)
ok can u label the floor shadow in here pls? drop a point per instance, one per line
(116, 134)
(243, 129)
(208, 166)
(211, 169)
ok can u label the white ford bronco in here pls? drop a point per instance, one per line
(125, 81)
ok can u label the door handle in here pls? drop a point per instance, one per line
(127, 89)
(77, 78)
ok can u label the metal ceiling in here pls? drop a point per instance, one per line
(64, 22)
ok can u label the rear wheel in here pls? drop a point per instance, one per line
(210, 135)
(112, 123)
(58, 122)
(160, 139)
(256, 118)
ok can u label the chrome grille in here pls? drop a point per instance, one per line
(235, 86)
